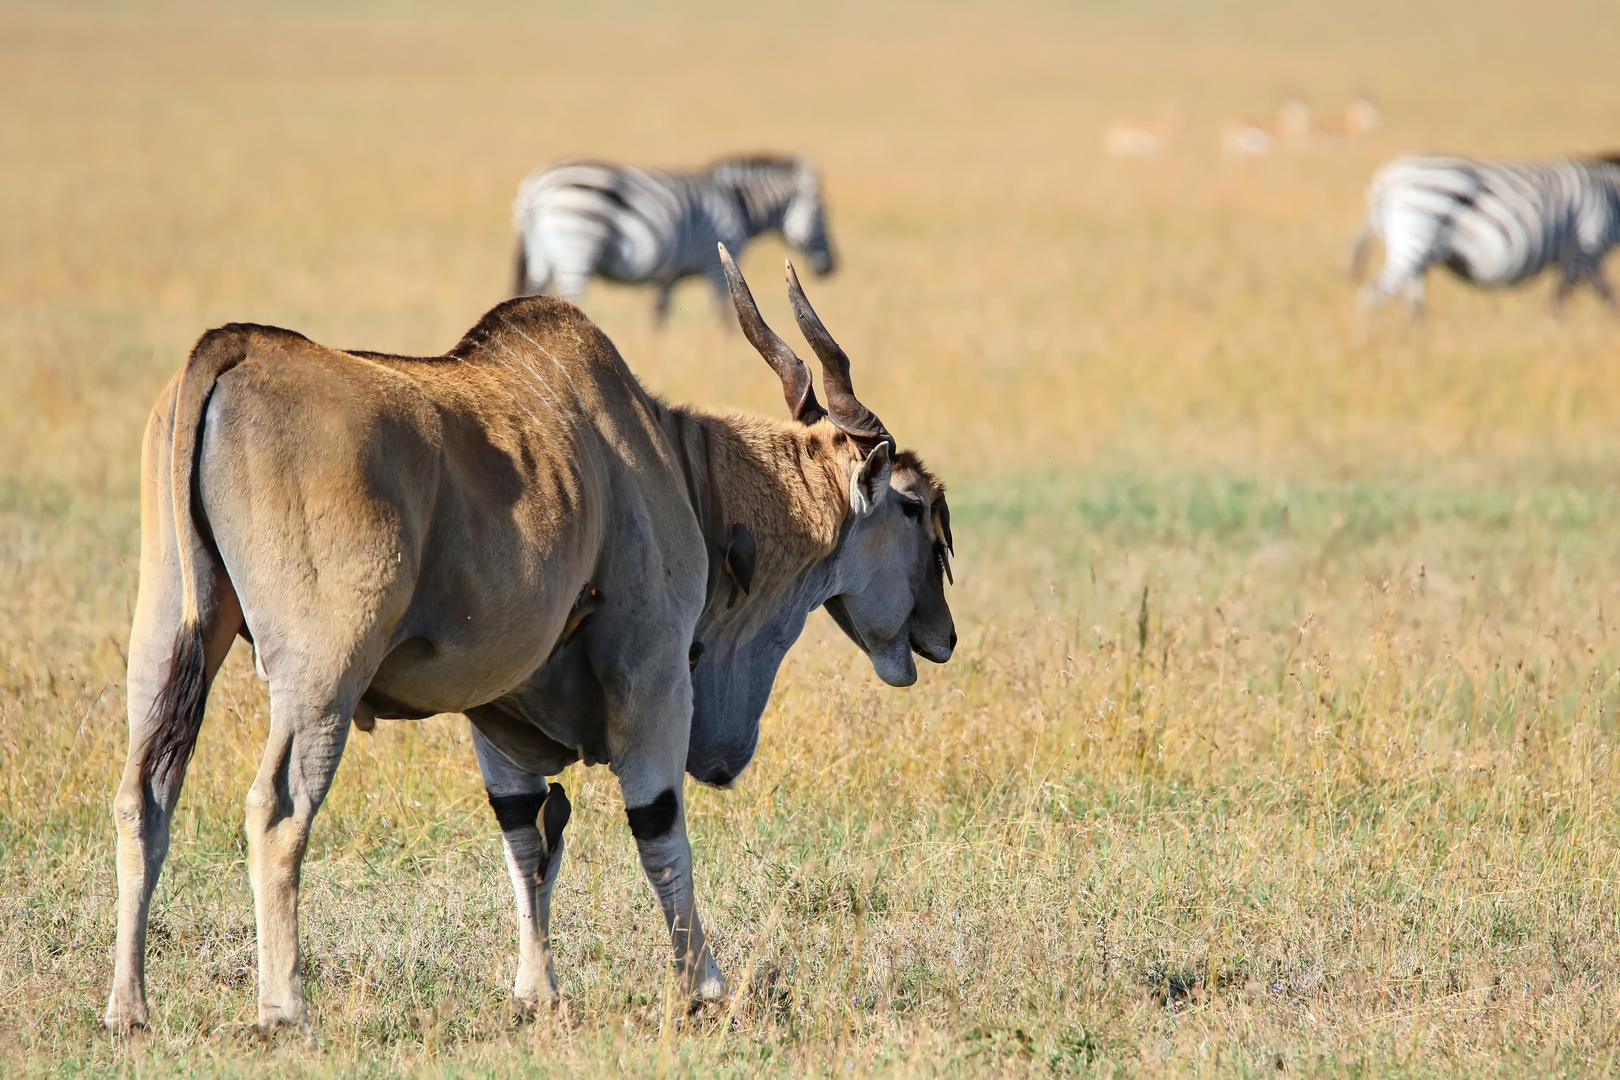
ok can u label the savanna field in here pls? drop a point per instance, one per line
(1281, 735)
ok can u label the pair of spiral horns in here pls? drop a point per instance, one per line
(844, 409)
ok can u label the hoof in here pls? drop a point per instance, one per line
(706, 1006)
(126, 1014)
(124, 1027)
(703, 981)
(274, 1022)
(530, 1006)
(710, 991)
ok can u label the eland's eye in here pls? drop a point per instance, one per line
(912, 508)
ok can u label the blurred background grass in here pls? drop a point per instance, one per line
(1281, 732)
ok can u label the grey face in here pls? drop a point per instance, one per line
(893, 605)
(804, 227)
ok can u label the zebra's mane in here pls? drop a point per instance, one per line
(762, 183)
(755, 162)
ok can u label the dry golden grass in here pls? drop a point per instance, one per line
(1281, 733)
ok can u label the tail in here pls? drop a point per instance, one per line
(520, 284)
(1359, 250)
(525, 284)
(177, 711)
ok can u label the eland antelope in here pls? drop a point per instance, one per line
(516, 531)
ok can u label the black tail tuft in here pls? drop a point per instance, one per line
(177, 711)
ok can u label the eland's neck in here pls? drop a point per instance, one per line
(785, 483)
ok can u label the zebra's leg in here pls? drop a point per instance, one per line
(1368, 298)
(531, 815)
(1416, 301)
(1569, 277)
(1393, 278)
(1600, 285)
(1412, 242)
(721, 293)
(661, 303)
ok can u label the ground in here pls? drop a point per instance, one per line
(1281, 733)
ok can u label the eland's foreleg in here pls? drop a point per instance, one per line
(659, 827)
(532, 815)
(651, 774)
(309, 725)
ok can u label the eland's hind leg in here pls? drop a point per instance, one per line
(144, 804)
(532, 815)
(171, 666)
(309, 725)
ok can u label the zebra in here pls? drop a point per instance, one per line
(579, 218)
(1490, 222)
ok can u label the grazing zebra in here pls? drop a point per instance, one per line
(577, 218)
(1491, 223)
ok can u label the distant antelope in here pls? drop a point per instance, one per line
(1128, 137)
(1490, 222)
(1360, 117)
(1241, 137)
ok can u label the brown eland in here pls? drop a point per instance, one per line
(519, 532)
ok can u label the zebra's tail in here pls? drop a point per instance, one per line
(521, 285)
(1359, 250)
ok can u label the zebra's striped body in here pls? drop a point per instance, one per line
(1492, 223)
(582, 219)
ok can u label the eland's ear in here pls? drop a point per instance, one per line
(871, 481)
